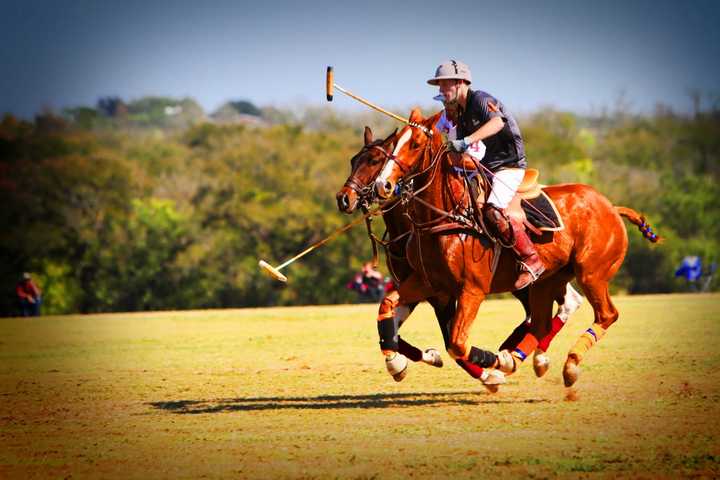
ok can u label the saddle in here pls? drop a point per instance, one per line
(531, 205)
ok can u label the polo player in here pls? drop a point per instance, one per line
(485, 130)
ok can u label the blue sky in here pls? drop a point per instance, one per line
(575, 55)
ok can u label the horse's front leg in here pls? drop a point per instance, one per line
(477, 362)
(394, 310)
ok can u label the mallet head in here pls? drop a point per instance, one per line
(272, 271)
(329, 84)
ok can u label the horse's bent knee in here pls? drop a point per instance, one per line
(457, 350)
(388, 304)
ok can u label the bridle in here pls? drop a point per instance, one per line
(367, 195)
(366, 192)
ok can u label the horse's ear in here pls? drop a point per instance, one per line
(368, 135)
(415, 115)
(432, 120)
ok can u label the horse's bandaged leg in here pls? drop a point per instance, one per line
(516, 336)
(508, 362)
(571, 304)
(557, 325)
(525, 347)
(472, 369)
(591, 336)
(388, 323)
(396, 365)
(482, 358)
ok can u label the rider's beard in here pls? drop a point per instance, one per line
(451, 100)
(451, 109)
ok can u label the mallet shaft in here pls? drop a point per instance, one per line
(370, 104)
(323, 241)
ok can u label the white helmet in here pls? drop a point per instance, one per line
(451, 70)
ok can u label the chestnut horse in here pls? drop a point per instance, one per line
(459, 264)
(358, 191)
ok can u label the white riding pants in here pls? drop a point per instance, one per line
(504, 186)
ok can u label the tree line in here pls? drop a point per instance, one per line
(121, 213)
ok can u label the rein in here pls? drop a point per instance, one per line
(366, 194)
(459, 221)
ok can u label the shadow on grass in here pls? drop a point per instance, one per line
(334, 402)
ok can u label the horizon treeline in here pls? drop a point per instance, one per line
(152, 205)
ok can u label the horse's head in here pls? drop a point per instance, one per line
(365, 166)
(410, 148)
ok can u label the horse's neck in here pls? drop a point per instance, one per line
(395, 221)
(439, 178)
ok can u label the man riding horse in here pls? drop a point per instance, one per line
(486, 131)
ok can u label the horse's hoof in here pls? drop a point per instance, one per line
(541, 363)
(399, 377)
(492, 388)
(397, 366)
(492, 379)
(506, 362)
(571, 372)
(433, 357)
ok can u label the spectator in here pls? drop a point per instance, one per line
(690, 268)
(368, 283)
(29, 296)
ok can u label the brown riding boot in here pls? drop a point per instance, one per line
(500, 222)
(530, 263)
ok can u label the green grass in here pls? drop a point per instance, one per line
(303, 393)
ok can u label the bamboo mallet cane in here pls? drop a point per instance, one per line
(275, 271)
(330, 84)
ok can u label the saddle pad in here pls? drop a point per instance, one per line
(541, 213)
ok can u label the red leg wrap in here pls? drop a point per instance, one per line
(557, 325)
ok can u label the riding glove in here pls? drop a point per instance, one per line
(458, 145)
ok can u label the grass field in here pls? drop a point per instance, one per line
(303, 393)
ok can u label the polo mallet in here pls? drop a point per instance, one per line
(330, 84)
(275, 271)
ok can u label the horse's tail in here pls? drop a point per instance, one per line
(639, 220)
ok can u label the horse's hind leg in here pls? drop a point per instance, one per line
(542, 296)
(597, 293)
(568, 303)
(514, 338)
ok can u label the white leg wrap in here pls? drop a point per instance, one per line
(506, 363)
(396, 365)
(432, 357)
(541, 362)
(490, 376)
(573, 300)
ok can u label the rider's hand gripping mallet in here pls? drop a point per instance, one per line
(275, 271)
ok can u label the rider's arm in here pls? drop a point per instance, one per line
(488, 129)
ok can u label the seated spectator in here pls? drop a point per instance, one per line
(29, 296)
(368, 283)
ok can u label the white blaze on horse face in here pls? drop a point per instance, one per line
(390, 165)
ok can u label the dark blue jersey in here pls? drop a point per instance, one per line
(504, 149)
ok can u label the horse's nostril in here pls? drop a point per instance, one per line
(388, 188)
(345, 201)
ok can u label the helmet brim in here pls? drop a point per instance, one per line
(435, 81)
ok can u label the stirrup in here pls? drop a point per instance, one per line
(533, 274)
